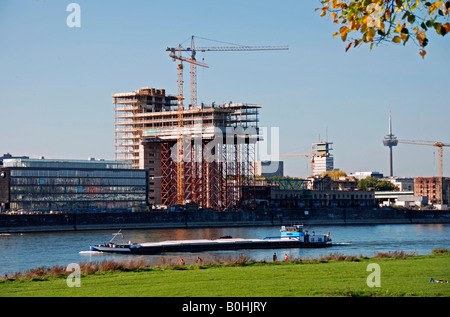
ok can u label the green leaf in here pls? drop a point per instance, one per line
(437, 27)
(411, 18)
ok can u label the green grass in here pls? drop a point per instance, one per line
(404, 276)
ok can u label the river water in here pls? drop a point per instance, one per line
(23, 251)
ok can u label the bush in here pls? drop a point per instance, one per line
(440, 251)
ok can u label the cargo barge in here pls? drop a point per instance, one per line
(291, 237)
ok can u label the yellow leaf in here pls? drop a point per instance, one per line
(335, 34)
(343, 30)
(396, 39)
(344, 36)
(398, 28)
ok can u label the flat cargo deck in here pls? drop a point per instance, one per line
(291, 237)
(221, 244)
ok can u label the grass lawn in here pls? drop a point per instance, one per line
(399, 277)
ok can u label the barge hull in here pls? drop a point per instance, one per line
(226, 247)
(215, 245)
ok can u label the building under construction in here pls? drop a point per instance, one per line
(198, 154)
(437, 189)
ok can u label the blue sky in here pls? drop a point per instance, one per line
(57, 82)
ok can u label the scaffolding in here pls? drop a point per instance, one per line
(218, 144)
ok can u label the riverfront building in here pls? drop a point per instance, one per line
(71, 185)
(292, 193)
(437, 189)
(217, 146)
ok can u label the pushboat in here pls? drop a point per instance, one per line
(291, 237)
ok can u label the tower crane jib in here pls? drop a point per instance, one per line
(193, 77)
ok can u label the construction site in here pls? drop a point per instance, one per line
(202, 155)
(199, 154)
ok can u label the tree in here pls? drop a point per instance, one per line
(375, 183)
(334, 175)
(366, 183)
(397, 21)
(385, 186)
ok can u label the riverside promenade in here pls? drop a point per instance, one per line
(209, 218)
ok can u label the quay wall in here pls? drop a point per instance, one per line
(209, 218)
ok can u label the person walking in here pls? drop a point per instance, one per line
(274, 257)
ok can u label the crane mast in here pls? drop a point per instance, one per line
(180, 98)
(193, 96)
(437, 144)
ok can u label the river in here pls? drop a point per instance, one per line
(23, 251)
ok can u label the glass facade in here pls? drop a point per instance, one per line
(37, 185)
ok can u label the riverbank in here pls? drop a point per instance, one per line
(210, 218)
(400, 275)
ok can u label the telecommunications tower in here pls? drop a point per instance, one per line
(390, 140)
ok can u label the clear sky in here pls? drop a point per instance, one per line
(56, 82)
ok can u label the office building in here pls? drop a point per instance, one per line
(71, 185)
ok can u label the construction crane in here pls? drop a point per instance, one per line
(193, 76)
(180, 98)
(192, 60)
(439, 145)
(312, 156)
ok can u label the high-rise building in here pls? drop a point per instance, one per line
(203, 154)
(323, 159)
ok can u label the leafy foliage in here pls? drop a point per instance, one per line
(376, 183)
(397, 21)
(334, 175)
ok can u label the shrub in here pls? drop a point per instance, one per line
(440, 251)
